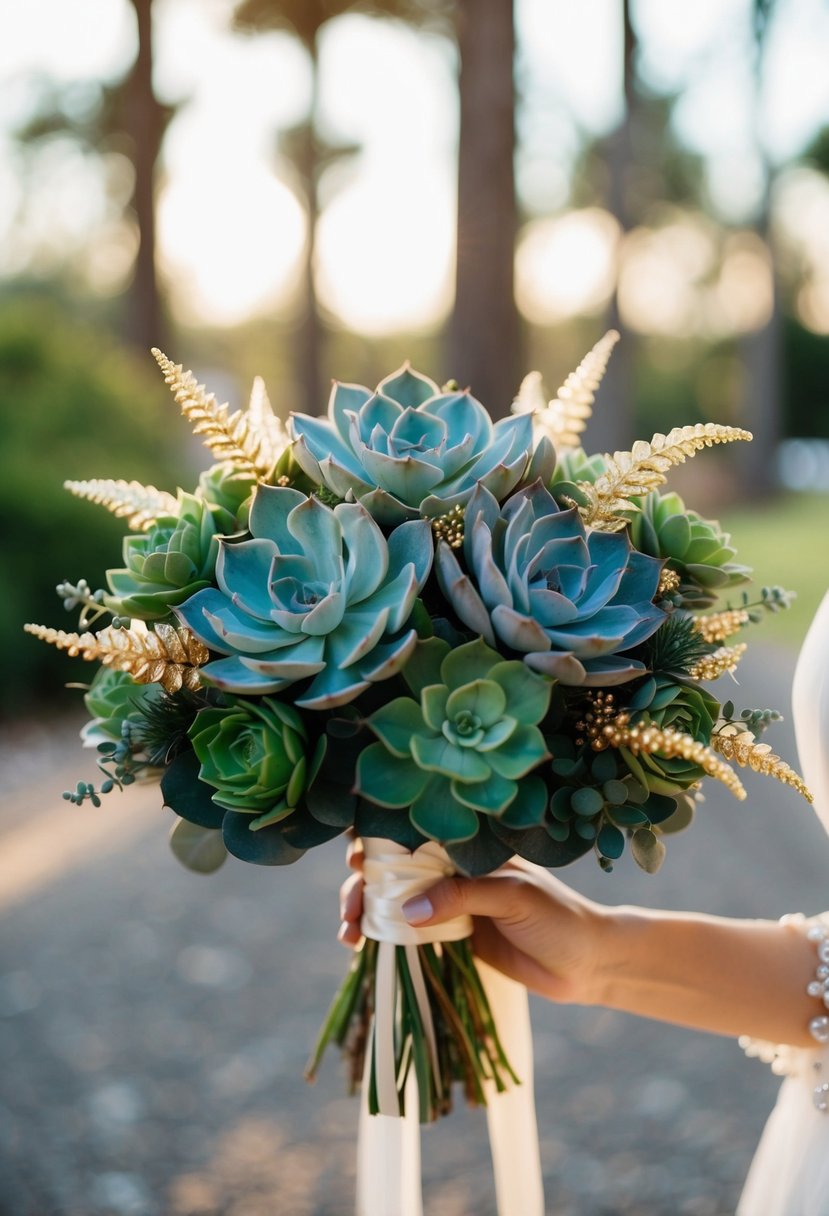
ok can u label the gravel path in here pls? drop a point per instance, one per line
(155, 1024)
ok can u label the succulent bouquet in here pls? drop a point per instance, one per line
(410, 622)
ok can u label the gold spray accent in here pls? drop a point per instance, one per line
(717, 664)
(717, 626)
(605, 727)
(163, 655)
(739, 745)
(449, 527)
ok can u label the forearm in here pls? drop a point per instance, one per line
(731, 977)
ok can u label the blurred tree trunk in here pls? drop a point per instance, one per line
(485, 336)
(145, 121)
(613, 423)
(762, 350)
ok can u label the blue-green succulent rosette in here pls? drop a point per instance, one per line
(316, 594)
(573, 602)
(459, 754)
(409, 450)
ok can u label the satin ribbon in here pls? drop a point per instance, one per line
(388, 1153)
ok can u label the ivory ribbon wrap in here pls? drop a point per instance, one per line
(388, 1153)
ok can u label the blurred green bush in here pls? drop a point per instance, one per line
(74, 404)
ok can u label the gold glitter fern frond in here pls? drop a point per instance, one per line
(139, 505)
(742, 748)
(251, 439)
(564, 418)
(163, 655)
(637, 472)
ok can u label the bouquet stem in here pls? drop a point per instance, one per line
(443, 1026)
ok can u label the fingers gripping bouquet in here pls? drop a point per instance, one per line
(461, 640)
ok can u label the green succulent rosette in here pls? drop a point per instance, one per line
(573, 466)
(226, 486)
(685, 706)
(255, 755)
(696, 548)
(316, 593)
(409, 449)
(168, 563)
(465, 748)
(112, 699)
(572, 601)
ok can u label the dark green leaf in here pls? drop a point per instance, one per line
(190, 798)
(267, 847)
(331, 804)
(586, 801)
(611, 842)
(387, 824)
(527, 808)
(535, 844)
(480, 855)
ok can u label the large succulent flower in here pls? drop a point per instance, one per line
(464, 748)
(170, 562)
(696, 548)
(408, 449)
(315, 592)
(571, 601)
(254, 754)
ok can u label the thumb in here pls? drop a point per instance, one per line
(451, 897)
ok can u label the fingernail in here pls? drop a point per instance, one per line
(417, 910)
(343, 929)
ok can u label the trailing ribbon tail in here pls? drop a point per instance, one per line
(388, 1157)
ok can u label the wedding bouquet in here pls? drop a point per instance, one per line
(460, 640)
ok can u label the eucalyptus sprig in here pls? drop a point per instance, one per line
(120, 764)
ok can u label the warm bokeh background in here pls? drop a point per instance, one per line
(311, 188)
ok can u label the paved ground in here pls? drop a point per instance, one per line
(154, 1024)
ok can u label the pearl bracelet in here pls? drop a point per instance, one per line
(784, 1059)
(819, 986)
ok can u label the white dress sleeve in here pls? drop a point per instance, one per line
(789, 1175)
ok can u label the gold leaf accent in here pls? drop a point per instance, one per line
(564, 418)
(637, 472)
(717, 626)
(140, 505)
(163, 655)
(740, 746)
(717, 664)
(251, 439)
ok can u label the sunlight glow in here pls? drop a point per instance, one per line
(566, 265)
(385, 256)
(231, 249)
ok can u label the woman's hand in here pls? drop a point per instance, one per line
(527, 924)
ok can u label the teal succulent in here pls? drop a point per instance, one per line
(255, 755)
(464, 748)
(112, 699)
(572, 602)
(696, 548)
(409, 449)
(316, 592)
(171, 561)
